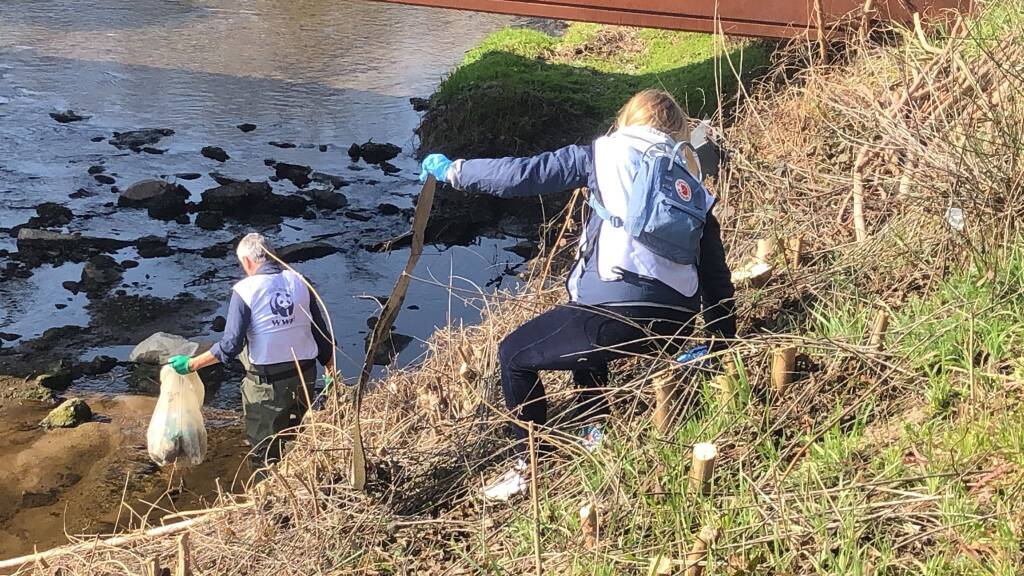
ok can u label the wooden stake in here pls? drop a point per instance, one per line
(588, 524)
(184, 567)
(703, 468)
(795, 251)
(665, 399)
(877, 340)
(152, 566)
(765, 249)
(697, 558)
(865, 21)
(535, 498)
(382, 330)
(819, 17)
(783, 364)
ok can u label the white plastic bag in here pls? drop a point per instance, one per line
(177, 432)
(160, 347)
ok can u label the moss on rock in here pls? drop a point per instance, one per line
(72, 412)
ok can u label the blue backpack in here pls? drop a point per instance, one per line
(667, 205)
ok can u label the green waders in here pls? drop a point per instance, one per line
(273, 401)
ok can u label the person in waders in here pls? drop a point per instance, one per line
(273, 320)
(649, 259)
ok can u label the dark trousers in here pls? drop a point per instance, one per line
(272, 401)
(583, 339)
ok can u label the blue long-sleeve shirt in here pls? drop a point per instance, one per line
(239, 316)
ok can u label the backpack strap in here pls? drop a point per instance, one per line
(602, 212)
(676, 157)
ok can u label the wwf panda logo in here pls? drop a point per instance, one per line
(281, 303)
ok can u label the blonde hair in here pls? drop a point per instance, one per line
(657, 109)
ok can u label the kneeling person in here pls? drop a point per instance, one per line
(273, 319)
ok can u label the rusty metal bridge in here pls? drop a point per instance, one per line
(764, 18)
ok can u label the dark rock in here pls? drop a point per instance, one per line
(525, 249)
(269, 162)
(60, 306)
(246, 127)
(60, 379)
(151, 150)
(358, 216)
(328, 200)
(36, 245)
(282, 144)
(129, 264)
(274, 178)
(99, 274)
(372, 182)
(388, 209)
(115, 190)
(210, 220)
(309, 215)
(31, 499)
(137, 139)
(322, 147)
(412, 307)
(356, 167)
(104, 179)
(329, 179)
(235, 198)
(355, 151)
(290, 205)
(298, 174)
(98, 138)
(222, 179)
(71, 286)
(97, 169)
(168, 207)
(153, 247)
(188, 175)
(215, 153)
(81, 193)
(50, 215)
(218, 324)
(67, 116)
(9, 336)
(373, 153)
(419, 104)
(389, 348)
(73, 412)
(182, 219)
(302, 251)
(215, 251)
(389, 168)
(146, 192)
(99, 365)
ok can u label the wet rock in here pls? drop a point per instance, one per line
(115, 190)
(210, 220)
(105, 179)
(168, 207)
(50, 215)
(215, 251)
(100, 274)
(183, 219)
(373, 153)
(525, 249)
(412, 307)
(388, 209)
(129, 264)
(60, 306)
(81, 193)
(188, 175)
(215, 153)
(322, 147)
(73, 412)
(356, 167)
(99, 365)
(98, 138)
(358, 216)
(36, 245)
(419, 104)
(151, 150)
(9, 336)
(68, 116)
(282, 144)
(57, 380)
(302, 251)
(222, 179)
(328, 200)
(389, 348)
(389, 168)
(153, 247)
(71, 286)
(218, 324)
(329, 179)
(30, 499)
(137, 139)
(297, 173)
(309, 215)
(246, 127)
(145, 192)
(236, 197)
(97, 169)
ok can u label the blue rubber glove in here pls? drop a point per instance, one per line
(693, 356)
(180, 364)
(436, 164)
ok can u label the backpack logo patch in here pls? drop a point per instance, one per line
(683, 190)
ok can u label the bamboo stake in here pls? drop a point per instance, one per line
(152, 566)
(819, 19)
(382, 330)
(534, 497)
(795, 249)
(665, 400)
(765, 249)
(865, 21)
(877, 340)
(697, 558)
(184, 567)
(703, 468)
(783, 363)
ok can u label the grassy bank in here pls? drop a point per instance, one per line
(902, 456)
(523, 91)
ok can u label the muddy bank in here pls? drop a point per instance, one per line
(74, 479)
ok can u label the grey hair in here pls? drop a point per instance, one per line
(254, 247)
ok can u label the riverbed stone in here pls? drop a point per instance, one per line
(135, 140)
(236, 197)
(297, 173)
(56, 380)
(215, 153)
(246, 127)
(329, 200)
(36, 246)
(100, 274)
(71, 413)
(67, 116)
(50, 215)
(419, 104)
(96, 169)
(328, 179)
(374, 153)
(153, 247)
(210, 220)
(389, 348)
(188, 175)
(104, 179)
(386, 209)
(98, 365)
(144, 193)
(302, 251)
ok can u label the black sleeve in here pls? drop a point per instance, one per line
(716, 282)
(321, 333)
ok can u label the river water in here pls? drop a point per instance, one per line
(308, 72)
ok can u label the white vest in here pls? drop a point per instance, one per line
(280, 322)
(616, 159)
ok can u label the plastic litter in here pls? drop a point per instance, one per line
(159, 347)
(508, 485)
(956, 218)
(177, 432)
